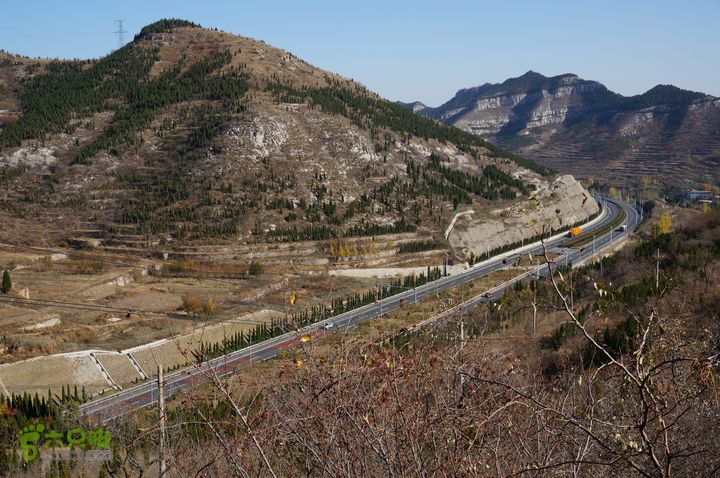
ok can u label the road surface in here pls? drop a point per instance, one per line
(145, 394)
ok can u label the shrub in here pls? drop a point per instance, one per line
(255, 269)
(210, 307)
(192, 303)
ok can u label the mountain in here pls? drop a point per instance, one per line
(580, 127)
(415, 106)
(192, 134)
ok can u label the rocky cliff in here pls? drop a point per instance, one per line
(580, 127)
(562, 202)
(520, 105)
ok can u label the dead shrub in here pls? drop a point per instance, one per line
(192, 303)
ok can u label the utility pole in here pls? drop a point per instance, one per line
(537, 276)
(534, 307)
(161, 413)
(657, 271)
(462, 358)
(379, 296)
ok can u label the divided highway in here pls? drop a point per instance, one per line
(145, 394)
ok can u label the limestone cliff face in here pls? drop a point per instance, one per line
(543, 107)
(580, 127)
(529, 101)
(564, 199)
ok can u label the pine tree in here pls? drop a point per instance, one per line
(6, 282)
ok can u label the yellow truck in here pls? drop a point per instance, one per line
(574, 231)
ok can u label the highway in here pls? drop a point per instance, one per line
(145, 394)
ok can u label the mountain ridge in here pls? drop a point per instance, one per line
(190, 134)
(532, 81)
(580, 127)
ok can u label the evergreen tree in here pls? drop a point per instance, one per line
(6, 282)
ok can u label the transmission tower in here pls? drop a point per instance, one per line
(120, 32)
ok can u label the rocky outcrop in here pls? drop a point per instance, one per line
(529, 101)
(559, 204)
(534, 109)
(580, 127)
(415, 106)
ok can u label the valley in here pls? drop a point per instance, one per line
(218, 259)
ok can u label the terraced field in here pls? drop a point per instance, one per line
(52, 372)
(102, 371)
(667, 157)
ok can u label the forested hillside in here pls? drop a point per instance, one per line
(197, 134)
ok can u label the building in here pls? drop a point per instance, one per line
(695, 195)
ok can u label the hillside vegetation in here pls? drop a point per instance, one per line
(201, 134)
(620, 380)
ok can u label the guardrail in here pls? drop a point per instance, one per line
(173, 385)
(586, 238)
(492, 291)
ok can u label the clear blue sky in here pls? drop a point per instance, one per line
(417, 50)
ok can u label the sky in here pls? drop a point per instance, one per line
(417, 50)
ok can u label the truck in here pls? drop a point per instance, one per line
(622, 228)
(574, 231)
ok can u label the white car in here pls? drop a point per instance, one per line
(328, 326)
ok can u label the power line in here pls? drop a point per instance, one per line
(75, 34)
(62, 304)
(120, 32)
(78, 255)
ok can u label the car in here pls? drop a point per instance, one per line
(328, 326)
(622, 228)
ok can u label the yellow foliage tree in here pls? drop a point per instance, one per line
(613, 192)
(332, 249)
(664, 225)
(355, 250)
